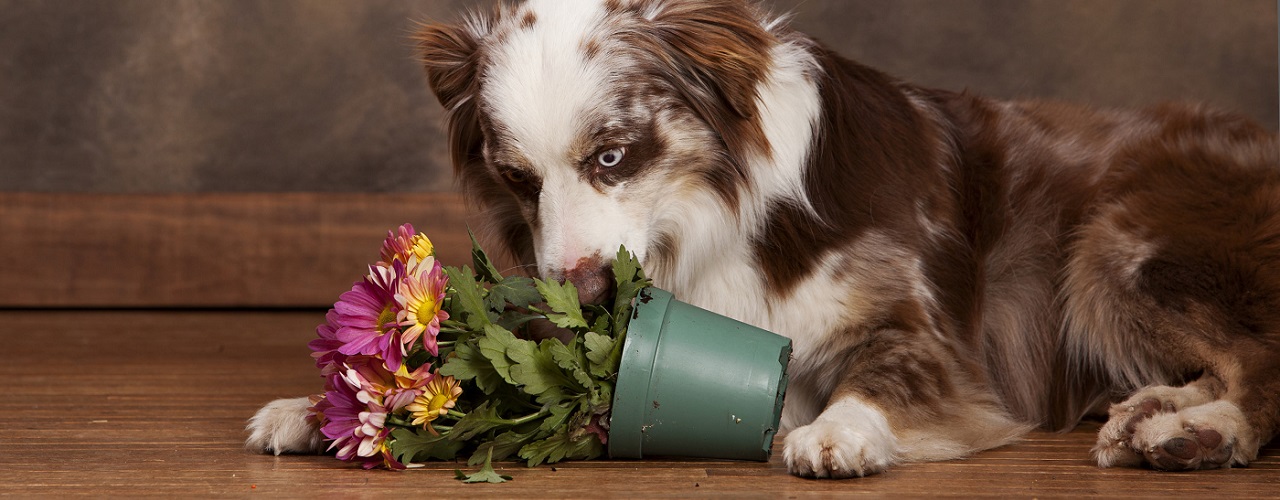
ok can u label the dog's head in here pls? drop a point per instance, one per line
(580, 126)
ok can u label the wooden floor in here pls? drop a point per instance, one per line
(118, 403)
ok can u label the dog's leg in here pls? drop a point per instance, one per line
(283, 426)
(849, 439)
(899, 398)
(1175, 276)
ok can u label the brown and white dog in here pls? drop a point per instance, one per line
(953, 270)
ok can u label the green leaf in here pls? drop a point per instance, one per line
(517, 291)
(410, 445)
(563, 299)
(505, 444)
(484, 267)
(480, 419)
(503, 350)
(538, 372)
(514, 319)
(468, 298)
(559, 415)
(571, 359)
(598, 349)
(602, 323)
(467, 363)
(555, 395)
(560, 446)
(485, 475)
(630, 279)
(602, 398)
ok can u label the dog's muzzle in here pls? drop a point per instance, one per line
(593, 279)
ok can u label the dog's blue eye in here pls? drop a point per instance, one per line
(611, 158)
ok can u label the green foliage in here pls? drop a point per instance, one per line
(468, 298)
(536, 400)
(467, 364)
(562, 445)
(480, 419)
(539, 373)
(410, 446)
(484, 267)
(599, 354)
(516, 291)
(502, 446)
(498, 345)
(485, 475)
(563, 301)
(630, 279)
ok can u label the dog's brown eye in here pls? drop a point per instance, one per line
(611, 158)
(515, 175)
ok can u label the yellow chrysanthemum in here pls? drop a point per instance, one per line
(440, 394)
(406, 246)
(420, 247)
(421, 297)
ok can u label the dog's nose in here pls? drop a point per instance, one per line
(593, 279)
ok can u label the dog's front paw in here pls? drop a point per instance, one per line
(849, 439)
(282, 426)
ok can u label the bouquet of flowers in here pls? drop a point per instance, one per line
(423, 361)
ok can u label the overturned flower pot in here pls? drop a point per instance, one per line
(426, 362)
(693, 383)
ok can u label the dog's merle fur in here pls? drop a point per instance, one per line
(953, 270)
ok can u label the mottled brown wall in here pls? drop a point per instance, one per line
(324, 95)
(1107, 52)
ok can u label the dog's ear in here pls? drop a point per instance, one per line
(451, 56)
(720, 52)
(449, 53)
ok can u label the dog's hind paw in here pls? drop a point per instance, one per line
(282, 426)
(849, 439)
(1157, 432)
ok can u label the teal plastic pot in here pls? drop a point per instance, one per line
(693, 383)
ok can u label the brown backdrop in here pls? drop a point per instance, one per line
(127, 122)
(324, 95)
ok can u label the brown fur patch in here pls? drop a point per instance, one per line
(861, 173)
(591, 49)
(717, 52)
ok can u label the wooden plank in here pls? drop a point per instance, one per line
(206, 250)
(154, 403)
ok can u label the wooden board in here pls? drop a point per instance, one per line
(154, 404)
(206, 250)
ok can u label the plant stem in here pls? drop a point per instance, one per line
(398, 422)
(529, 418)
(506, 421)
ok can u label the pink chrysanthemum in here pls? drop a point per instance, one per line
(341, 412)
(405, 245)
(367, 317)
(374, 384)
(325, 348)
(354, 418)
(420, 299)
